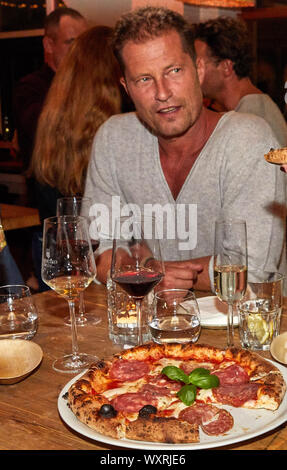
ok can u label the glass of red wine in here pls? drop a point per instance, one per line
(137, 265)
(80, 206)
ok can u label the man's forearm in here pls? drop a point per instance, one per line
(202, 282)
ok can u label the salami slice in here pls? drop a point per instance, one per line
(155, 391)
(133, 402)
(232, 375)
(128, 371)
(162, 380)
(222, 422)
(198, 413)
(213, 421)
(236, 395)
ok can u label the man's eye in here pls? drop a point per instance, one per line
(176, 70)
(142, 80)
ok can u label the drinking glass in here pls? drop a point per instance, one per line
(18, 314)
(260, 310)
(77, 205)
(68, 267)
(230, 266)
(175, 317)
(137, 265)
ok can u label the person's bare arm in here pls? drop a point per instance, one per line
(178, 274)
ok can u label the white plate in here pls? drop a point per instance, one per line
(213, 313)
(247, 424)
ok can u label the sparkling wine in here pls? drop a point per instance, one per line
(230, 282)
(138, 283)
(69, 287)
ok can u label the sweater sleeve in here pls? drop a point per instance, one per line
(254, 190)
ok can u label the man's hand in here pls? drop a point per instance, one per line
(181, 274)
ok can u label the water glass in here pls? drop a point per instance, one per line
(175, 317)
(260, 310)
(18, 314)
(122, 316)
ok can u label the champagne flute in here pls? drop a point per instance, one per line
(230, 266)
(77, 205)
(137, 265)
(68, 267)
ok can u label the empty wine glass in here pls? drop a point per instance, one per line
(230, 266)
(77, 205)
(68, 267)
(137, 265)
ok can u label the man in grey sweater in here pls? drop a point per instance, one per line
(223, 44)
(175, 154)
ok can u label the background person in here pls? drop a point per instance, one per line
(174, 151)
(223, 44)
(61, 27)
(9, 271)
(84, 93)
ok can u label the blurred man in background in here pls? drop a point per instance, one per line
(61, 27)
(224, 46)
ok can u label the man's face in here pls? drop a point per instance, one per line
(56, 47)
(213, 79)
(163, 83)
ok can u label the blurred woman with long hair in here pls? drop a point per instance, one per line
(84, 93)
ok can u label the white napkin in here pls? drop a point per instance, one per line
(213, 312)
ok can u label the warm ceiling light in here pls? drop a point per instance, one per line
(223, 3)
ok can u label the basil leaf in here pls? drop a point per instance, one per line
(198, 373)
(187, 394)
(174, 373)
(206, 381)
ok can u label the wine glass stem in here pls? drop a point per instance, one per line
(230, 329)
(75, 348)
(81, 305)
(139, 320)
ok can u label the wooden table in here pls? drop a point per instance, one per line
(16, 217)
(28, 409)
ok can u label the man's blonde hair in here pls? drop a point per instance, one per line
(147, 23)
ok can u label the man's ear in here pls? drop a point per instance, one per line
(47, 44)
(226, 66)
(124, 84)
(200, 67)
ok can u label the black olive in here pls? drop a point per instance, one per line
(146, 411)
(107, 411)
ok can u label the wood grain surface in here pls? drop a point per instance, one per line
(15, 217)
(29, 415)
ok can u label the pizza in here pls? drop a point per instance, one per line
(168, 392)
(277, 156)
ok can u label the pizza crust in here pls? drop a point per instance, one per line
(277, 156)
(158, 429)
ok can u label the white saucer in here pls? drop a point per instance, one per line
(213, 313)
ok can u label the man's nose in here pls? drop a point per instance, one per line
(163, 91)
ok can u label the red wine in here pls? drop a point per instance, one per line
(138, 283)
